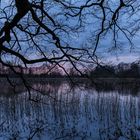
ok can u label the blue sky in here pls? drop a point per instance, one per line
(124, 54)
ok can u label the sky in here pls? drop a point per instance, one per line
(124, 54)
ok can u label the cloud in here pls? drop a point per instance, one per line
(127, 58)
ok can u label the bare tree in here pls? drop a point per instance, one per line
(36, 31)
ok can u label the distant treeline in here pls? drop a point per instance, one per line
(121, 70)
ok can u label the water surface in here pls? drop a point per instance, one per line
(62, 111)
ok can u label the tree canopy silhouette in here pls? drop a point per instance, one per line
(34, 31)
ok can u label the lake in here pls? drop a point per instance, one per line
(61, 110)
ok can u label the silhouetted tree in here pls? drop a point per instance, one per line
(132, 72)
(42, 28)
(103, 71)
(37, 31)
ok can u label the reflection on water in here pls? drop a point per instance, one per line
(65, 113)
